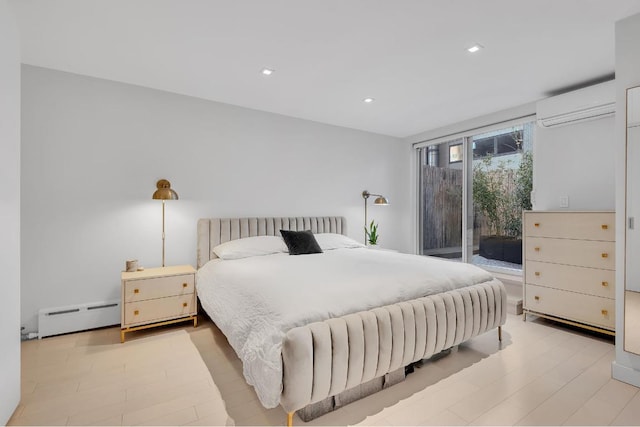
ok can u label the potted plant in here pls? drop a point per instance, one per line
(500, 194)
(372, 233)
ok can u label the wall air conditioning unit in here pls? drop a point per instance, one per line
(590, 103)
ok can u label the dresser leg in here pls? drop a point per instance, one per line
(195, 321)
(499, 333)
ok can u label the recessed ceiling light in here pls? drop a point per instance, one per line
(267, 71)
(475, 48)
(368, 100)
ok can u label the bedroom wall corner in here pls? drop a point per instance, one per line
(101, 145)
(9, 213)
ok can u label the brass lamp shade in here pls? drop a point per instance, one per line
(164, 191)
(381, 200)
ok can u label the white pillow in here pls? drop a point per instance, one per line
(250, 246)
(328, 241)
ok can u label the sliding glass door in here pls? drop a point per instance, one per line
(502, 182)
(472, 191)
(441, 178)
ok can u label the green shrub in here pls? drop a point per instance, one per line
(500, 194)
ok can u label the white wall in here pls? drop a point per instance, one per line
(627, 365)
(576, 161)
(9, 213)
(93, 149)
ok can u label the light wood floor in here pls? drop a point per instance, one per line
(92, 379)
(542, 374)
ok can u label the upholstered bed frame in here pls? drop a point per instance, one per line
(330, 363)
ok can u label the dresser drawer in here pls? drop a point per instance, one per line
(584, 253)
(584, 280)
(570, 305)
(574, 225)
(156, 310)
(158, 287)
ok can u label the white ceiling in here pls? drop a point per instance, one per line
(410, 55)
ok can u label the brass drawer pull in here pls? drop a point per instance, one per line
(605, 313)
(184, 285)
(136, 291)
(184, 304)
(135, 313)
(605, 226)
(605, 284)
(537, 224)
(605, 255)
(537, 273)
(537, 249)
(537, 298)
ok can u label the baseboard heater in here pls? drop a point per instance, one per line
(74, 318)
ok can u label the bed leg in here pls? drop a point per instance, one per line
(499, 333)
(290, 419)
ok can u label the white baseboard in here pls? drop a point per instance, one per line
(80, 317)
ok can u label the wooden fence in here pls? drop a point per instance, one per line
(442, 208)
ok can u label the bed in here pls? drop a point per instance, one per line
(372, 313)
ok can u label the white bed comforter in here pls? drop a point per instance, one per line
(255, 301)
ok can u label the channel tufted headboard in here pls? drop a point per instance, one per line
(213, 231)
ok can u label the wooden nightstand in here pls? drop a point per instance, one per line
(158, 296)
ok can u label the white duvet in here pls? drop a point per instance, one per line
(256, 300)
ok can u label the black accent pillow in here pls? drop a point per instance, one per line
(300, 242)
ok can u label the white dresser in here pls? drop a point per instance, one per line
(158, 296)
(569, 267)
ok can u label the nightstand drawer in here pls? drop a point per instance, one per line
(158, 287)
(570, 305)
(577, 225)
(584, 253)
(591, 281)
(159, 309)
